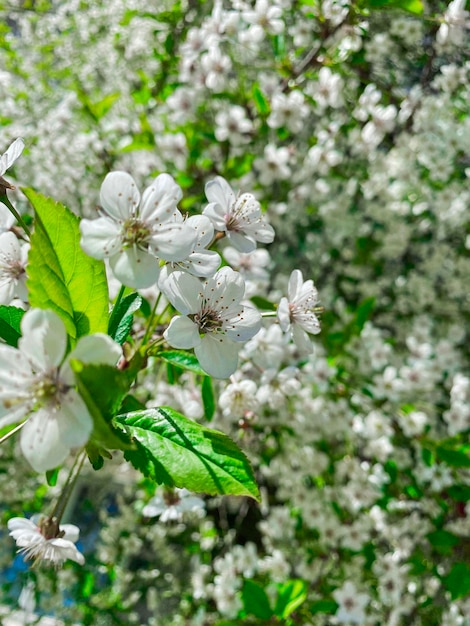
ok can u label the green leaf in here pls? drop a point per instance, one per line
(255, 600)
(51, 477)
(454, 457)
(184, 360)
(10, 324)
(208, 399)
(103, 389)
(176, 451)
(324, 606)
(412, 6)
(122, 317)
(61, 276)
(443, 541)
(260, 101)
(291, 595)
(458, 580)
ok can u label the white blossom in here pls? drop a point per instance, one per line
(38, 385)
(214, 322)
(296, 313)
(13, 259)
(238, 216)
(42, 539)
(135, 237)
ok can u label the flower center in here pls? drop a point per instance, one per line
(208, 321)
(134, 232)
(48, 387)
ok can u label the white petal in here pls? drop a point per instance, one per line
(204, 263)
(66, 550)
(173, 242)
(101, 238)
(216, 214)
(241, 242)
(204, 229)
(295, 285)
(7, 219)
(135, 268)
(245, 326)
(71, 531)
(160, 199)
(218, 356)
(182, 333)
(218, 190)
(41, 442)
(11, 155)
(44, 339)
(97, 348)
(182, 290)
(283, 314)
(74, 421)
(119, 195)
(301, 340)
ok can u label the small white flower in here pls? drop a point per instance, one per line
(172, 505)
(238, 216)
(134, 237)
(296, 312)
(13, 259)
(6, 160)
(214, 322)
(351, 604)
(36, 383)
(42, 539)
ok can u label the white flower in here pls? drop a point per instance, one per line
(239, 216)
(351, 604)
(172, 505)
(296, 312)
(6, 160)
(214, 322)
(200, 262)
(454, 23)
(13, 259)
(135, 237)
(41, 538)
(35, 383)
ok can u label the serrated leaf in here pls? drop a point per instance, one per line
(103, 389)
(61, 277)
(184, 360)
(291, 595)
(208, 399)
(255, 600)
(10, 324)
(122, 317)
(176, 451)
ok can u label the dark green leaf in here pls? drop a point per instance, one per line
(122, 317)
(454, 457)
(61, 277)
(443, 541)
(10, 323)
(255, 600)
(324, 606)
(208, 399)
(458, 580)
(176, 451)
(51, 477)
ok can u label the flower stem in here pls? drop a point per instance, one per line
(11, 432)
(11, 208)
(68, 487)
(151, 318)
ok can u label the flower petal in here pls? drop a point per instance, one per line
(218, 356)
(135, 268)
(183, 292)
(173, 241)
(218, 190)
(182, 333)
(11, 155)
(119, 195)
(41, 441)
(44, 339)
(101, 238)
(97, 348)
(160, 199)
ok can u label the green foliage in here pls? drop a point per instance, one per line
(255, 600)
(208, 399)
(103, 389)
(175, 451)
(458, 580)
(122, 317)
(10, 324)
(411, 6)
(61, 277)
(183, 360)
(291, 595)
